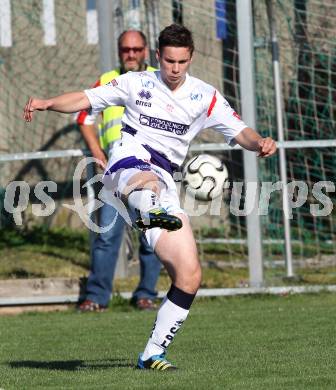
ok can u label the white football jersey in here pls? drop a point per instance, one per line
(167, 120)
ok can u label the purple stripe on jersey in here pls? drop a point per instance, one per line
(161, 161)
(129, 130)
(129, 162)
(157, 158)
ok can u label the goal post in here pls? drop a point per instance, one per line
(248, 106)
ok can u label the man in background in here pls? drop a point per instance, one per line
(133, 51)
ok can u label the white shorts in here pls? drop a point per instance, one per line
(128, 158)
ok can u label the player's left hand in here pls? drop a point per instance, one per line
(267, 147)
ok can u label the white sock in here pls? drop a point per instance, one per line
(143, 200)
(169, 319)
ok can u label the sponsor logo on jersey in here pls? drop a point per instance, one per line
(169, 107)
(113, 83)
(196, 97)
(142, 103)
(163, 124)
(147, 83)
(145, 94)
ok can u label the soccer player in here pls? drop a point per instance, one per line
(164, 111)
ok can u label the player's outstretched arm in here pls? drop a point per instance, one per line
(66, 103)
(251, 140)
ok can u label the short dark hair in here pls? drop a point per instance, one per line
(176, 35)
(142, 35)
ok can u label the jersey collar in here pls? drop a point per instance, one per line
(181, 88)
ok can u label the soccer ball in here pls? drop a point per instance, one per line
(204, 177)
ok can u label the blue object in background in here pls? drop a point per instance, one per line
(221, 25)
(90, 4)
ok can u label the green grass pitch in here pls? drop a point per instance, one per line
(258, 342)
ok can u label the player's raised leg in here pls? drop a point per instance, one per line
(178, 252)
(143, 193)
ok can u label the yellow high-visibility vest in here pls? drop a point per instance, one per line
(109, 128)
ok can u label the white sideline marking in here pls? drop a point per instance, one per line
(48, 23)
(5, 24)
(92, 27)
(203, 292)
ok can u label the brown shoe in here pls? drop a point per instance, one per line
(89, 305)
(145, 304)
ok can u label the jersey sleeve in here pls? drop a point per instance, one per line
(84, 117)
(114, 93)
(223, 118)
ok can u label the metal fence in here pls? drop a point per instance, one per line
(275, 74)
